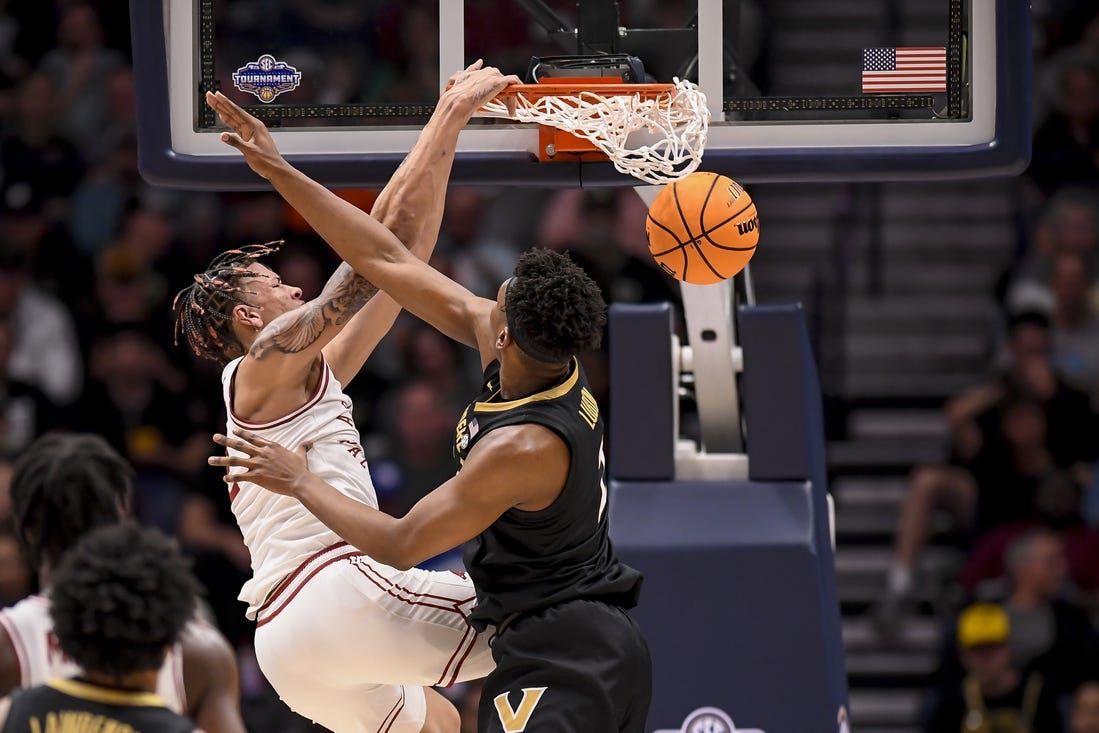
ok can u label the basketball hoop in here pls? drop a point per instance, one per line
(591, 119)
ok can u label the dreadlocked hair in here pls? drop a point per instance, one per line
(203, 310)
(120, 598)
(62, 487)
(555, 305)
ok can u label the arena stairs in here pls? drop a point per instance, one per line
(889, 361)
(897, 280)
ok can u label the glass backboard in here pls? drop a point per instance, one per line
(797, 90)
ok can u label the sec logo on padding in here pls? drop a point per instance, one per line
(709, 720)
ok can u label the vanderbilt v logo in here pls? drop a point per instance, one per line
(515, 721)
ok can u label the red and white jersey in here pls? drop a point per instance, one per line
(30, 628)
(279, 532)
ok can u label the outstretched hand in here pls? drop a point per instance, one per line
(266, 464)
(477, 84)
(249, 135)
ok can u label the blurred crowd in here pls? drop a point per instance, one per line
(1019, 486)
(91, 256)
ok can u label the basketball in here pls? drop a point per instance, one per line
(702, 229)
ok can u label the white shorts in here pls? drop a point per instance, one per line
(350, 643)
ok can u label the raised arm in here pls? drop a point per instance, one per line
(410, 206)
(352, 233)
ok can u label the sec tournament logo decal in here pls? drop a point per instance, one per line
(266, 78)
(709, 720)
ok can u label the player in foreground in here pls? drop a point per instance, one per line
(530, 499)
(121, 599)
(63, 487)
(345, 639)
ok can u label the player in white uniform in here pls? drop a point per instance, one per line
(63, 487)
(346, 641)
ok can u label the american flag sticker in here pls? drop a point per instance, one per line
(911, 69)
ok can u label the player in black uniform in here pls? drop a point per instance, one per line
(120, 599)
(530, 498)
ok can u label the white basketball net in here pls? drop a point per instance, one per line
(679, 118)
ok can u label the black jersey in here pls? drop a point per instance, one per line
(73, 706)
(531, 560)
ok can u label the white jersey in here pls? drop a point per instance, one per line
(279, 532)
(30, 629)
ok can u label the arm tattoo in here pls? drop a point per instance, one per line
(344, 295)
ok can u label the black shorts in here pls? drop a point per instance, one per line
(577, 667)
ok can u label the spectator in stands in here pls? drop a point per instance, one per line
(1085, 709)
(1005, 436)
(1014, 457)
(637, 278)
(585, 223)
(32, 151)
(25, 411)
(53, 262)
(439, 361)
(1075, 326)
(250, 217)
(408, 39)
(144, 242)
(1072, 38)
(994, 695)
(1049, 633)
(411, 352)
(80, 69)
(1069, 221)
(420, 455)
(1066, 146)
(121, 116)
(135, 401)
(99, 203)
(995, 485)
(45, 352)
(125, 293)
(469, 250)
(1058, 504)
